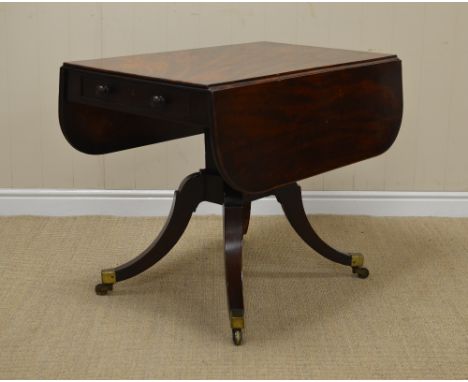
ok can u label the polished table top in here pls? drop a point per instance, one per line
(208, 67)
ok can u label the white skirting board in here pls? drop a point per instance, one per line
(48, 202)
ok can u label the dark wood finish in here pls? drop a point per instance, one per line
(271, 114)
(141, 97)
(275, 113)
(233, 214)
(190, 194)
(272, 133)
(290, 198)
(246, 217)
(124, 116)
(217, 65)
(194, 189)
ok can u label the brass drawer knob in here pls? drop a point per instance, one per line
(102, 90)
(157, 100)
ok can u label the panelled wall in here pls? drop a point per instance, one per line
(430, 154)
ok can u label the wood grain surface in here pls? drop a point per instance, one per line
(272, 133)
(230, 63)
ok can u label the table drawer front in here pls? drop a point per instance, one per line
(141, 97)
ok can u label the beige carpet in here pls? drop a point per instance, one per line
(305, 317)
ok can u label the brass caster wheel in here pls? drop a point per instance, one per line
(361, 272)
(102, 289)
(237, 336)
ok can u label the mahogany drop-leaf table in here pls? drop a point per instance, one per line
(271, 114)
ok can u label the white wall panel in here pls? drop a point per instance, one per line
(118, 40)
(408, 39)
(344, 30)
(456, 158)
(22, 51)
(53, 40)
(5, 143)
(85, 42)
(437, 80)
